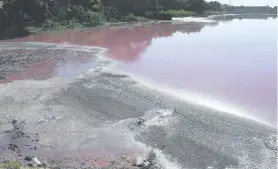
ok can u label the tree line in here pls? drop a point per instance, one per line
(16, 15)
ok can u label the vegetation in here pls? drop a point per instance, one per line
(178, 13)
(250, 9)
(16, 15)
(10, 165)
(16, 165)
(254, 10)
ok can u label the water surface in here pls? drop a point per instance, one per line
(230, 65)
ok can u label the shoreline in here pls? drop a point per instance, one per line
(144, 21)
(88, 87)
(140, 21)
(97, 52)
(111, 25)
(67, 90)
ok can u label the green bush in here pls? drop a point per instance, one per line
(130, 18)
(158, 15)
(73, 24)
(96, 8)
(49, 24)
(112, 14)
(94, 2)
(93, 18)
(62, 15)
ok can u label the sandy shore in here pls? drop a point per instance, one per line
(103, 119)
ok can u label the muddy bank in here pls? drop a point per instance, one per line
(38, 122)
(71, 124)
(20, 61)
(104, 119)
(89, 122)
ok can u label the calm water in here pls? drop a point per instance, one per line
(233, 62)
(227, 65)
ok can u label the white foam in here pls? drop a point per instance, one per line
(194, 98)
(157, 117)
(79, 48)
(35, 45)
(120, 130)
(164, 162)
(192, 19)
(220, 16)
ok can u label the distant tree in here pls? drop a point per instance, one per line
(214, 6)
(15, 15)
(227, 8)
(197, 5)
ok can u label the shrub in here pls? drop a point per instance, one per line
(112, 14)
(73, 24)
(93, 18)
(93, 2)
(130, 18)
(62, 15)
(158, 15)
(48, 24)
(96, 8)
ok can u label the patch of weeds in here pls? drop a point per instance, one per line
(10, 165)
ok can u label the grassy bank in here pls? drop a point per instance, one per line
(17, 165)
(178, 13)
(56, 26)
(99, 21)
(10, 165)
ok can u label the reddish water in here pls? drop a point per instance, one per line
(234, 62)
(46, 63)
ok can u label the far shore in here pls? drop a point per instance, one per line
(144, 21)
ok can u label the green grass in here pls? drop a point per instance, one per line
(178, 13)
(10, 165)
(15, 165)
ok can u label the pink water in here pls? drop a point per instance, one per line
(233, 62)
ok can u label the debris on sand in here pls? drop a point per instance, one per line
(19, 141)
(28, 158)
(36, 161)
(145, 163)
(140, 122)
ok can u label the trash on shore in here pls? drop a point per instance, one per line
(36, 161)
